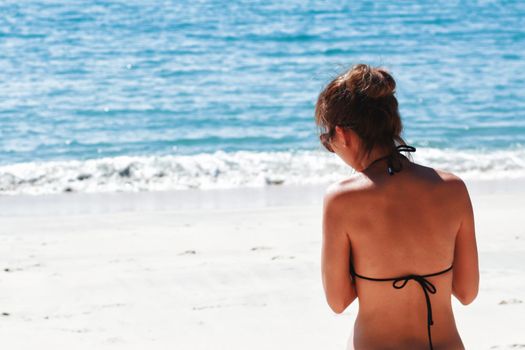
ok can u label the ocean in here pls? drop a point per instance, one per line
(99, 96)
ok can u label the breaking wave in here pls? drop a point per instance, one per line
(231, 169)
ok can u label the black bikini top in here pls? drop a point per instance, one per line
(401, 281)
(391, 169)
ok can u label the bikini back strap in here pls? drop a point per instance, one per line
(426, 285)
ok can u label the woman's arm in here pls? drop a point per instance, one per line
(335, 257)
(465, 282)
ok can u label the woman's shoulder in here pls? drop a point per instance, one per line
(346, 187)
(449, 178)
(449, 184)
(446, 175)
(338, 195)
(434, 179)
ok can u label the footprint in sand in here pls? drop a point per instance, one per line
(114, 340)
(282, 257)
(512, 346)
(76, 330)
(114, 305)
(10, 269)
(216, 306)
(260, 248)
(188, 252)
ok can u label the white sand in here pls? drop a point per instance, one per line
(153, 271)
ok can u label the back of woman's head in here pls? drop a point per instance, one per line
(363, 99)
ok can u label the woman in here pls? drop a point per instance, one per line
(397, 235)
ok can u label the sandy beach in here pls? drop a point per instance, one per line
(218, 269)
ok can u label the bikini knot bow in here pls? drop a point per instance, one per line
(425, 284)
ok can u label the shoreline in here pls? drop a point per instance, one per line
(78, 203)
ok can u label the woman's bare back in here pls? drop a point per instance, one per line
(395, 226)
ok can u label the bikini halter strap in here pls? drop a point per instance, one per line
(389, 157)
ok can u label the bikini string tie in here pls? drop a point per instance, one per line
(400, 148)
(389, 157)
(427, 287)
(400, 282)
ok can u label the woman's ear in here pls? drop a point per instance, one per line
(342, 135)
(347, 136)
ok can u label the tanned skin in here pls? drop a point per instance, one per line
(418, 221)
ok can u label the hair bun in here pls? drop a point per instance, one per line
(370, 82)
(362, 98)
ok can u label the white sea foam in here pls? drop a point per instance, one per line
(232, 169)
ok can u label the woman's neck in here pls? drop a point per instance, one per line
(375, 156)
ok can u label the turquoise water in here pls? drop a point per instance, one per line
(185, 93)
